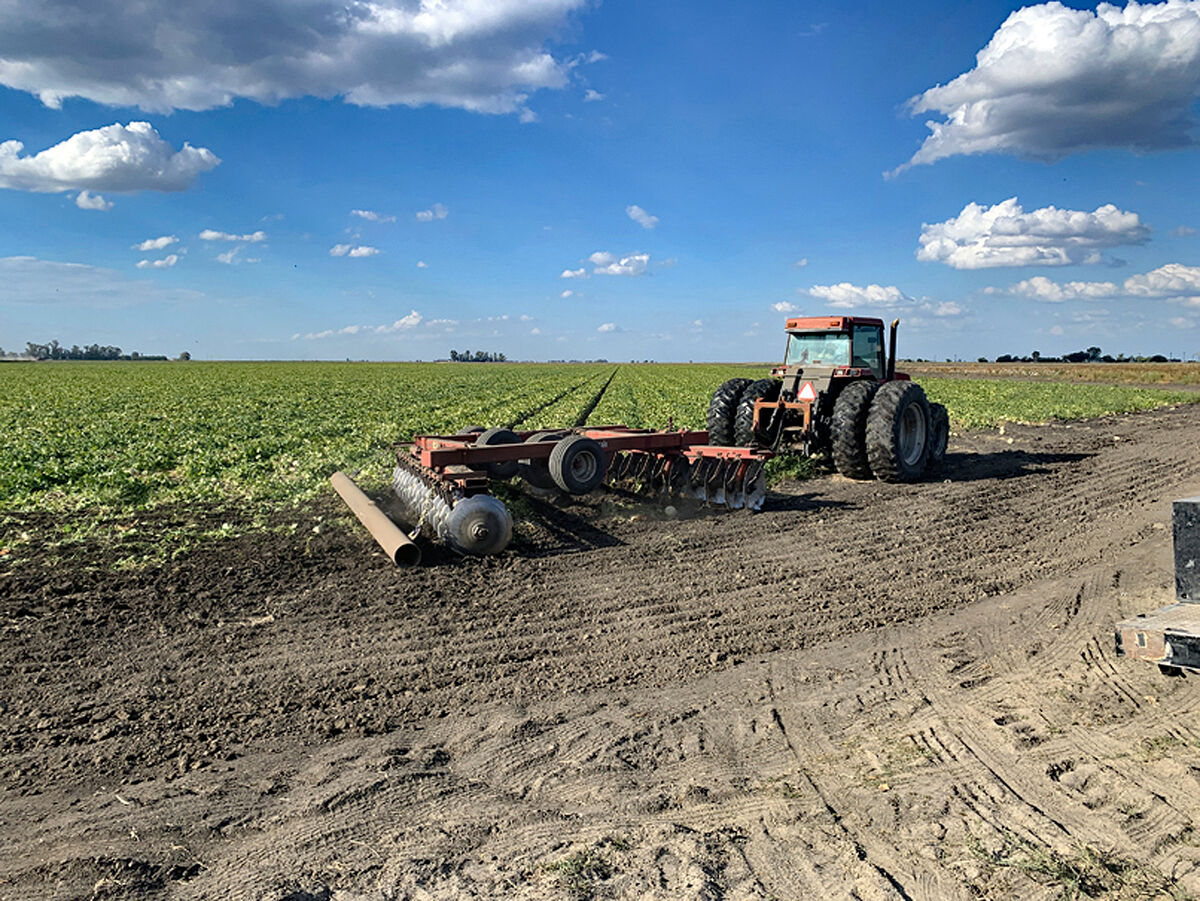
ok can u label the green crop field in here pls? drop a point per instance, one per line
(97, 444)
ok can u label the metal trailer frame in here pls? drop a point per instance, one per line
(1170, 636)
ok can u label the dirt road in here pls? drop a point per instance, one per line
(865, 691)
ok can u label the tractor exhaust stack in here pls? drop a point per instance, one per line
(891, 364)
(398, 546)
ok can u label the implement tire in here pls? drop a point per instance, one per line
(500, 469)
(898, 432)
(849, 428)
(536, 472)
(939, 433)
(578, 464)
(721, 412)
(744, 434)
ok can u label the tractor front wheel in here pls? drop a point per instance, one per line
(898, 432)
(721, 412)
(849, 429)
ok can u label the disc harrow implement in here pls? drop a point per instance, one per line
(443, 482)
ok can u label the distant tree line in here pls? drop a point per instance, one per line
(1091, 355)
(56, 351)
(479, 356)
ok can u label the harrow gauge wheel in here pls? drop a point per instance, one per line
(537, 471)
(501, 469)
(577, 464)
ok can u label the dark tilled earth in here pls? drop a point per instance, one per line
(863, 691)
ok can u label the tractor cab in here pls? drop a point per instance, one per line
(835, 345)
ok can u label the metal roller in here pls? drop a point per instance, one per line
(479, 525)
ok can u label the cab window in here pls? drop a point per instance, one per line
(818, 349)
(867, 349)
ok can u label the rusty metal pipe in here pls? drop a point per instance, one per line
(399, 547)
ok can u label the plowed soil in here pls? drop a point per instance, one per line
(864, 691)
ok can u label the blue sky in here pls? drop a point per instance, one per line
(573, 179)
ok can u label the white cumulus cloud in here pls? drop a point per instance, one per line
(845, 295)
(574, 273)
(253, 238)
(412, 320)
(421, 264)
(404, 323)
(165, 263)
(608, 327)
(566, 294)
(156, 243)
(234, 256)
(372, 216)
(86, 200)
(1174, 282)
(485, 56)
(982, 237)
(605, 263)
(784, 307)
(437, 211)
(119, 158)
(591, 96)
(1054, 80)
(640, 216)
(353, 251)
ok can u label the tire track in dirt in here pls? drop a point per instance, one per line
(860, 752)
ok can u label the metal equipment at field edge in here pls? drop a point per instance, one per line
(1170, 637)
(837, 391)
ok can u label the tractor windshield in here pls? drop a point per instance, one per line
(818, 349)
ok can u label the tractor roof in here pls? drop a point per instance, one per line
(829, 323)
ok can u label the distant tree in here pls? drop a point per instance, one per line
(983, 359)
(1036, 355)
(1093, 354)
(185, 356)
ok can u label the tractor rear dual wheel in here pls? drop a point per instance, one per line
(722, 410)
(744, 433)
(898, 432)
(939, 433)
(849, 428)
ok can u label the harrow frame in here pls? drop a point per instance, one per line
(450, 469)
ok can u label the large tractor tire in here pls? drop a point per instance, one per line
(744, 434)
(939, 433)
(721, 411)
(898, 432)
(849, 428)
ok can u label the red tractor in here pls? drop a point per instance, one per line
(837, 392)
